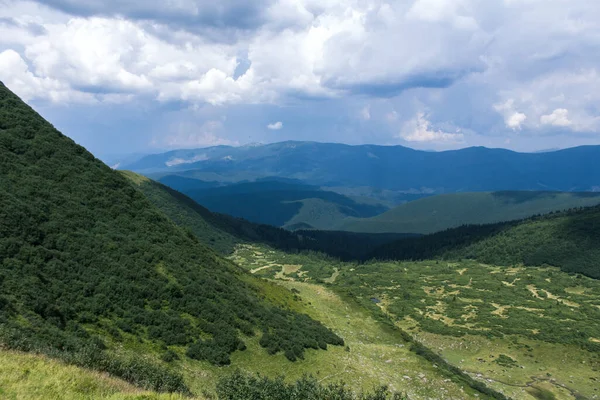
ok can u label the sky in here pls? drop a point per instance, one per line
(144, 76)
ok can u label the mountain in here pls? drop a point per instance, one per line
(223, 232)
(278, 203)
(94, 274)
(568, 240)
(395, 168)
(438, 213)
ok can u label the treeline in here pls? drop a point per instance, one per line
(568, 240)
(83, 251)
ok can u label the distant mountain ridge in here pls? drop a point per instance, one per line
(395, 168)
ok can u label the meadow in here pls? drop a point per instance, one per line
(531, 333)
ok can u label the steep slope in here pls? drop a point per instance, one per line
(280, 203)
(388, 167)
(89, 263)
(223, 232)
(36, 377)
(568, 240)
(437, 213)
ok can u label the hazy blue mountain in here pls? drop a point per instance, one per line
(395, 168)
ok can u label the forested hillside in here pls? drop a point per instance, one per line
(438, 213)
(90, 267)
(222, 232)
(277, 203)
(568, 240)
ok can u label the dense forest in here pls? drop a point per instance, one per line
(568, 240)
(88, 261)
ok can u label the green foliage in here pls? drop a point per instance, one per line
(222, 232)
(84, 251)
(455, 372)
(277, 203)
(455, 299)
(438, 213)
(506, 361)
(568, 240)
(76, 347)
(241, 386)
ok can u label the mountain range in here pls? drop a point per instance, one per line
(374, 169)
(115, 285)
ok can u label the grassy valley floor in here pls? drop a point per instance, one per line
(530, 333)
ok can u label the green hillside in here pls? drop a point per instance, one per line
(223, 232)
(568, 240)
(277, 203)
(437, 213)
(94, 274)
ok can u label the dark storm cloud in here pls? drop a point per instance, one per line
(192, 15)
(432, 80)
(33, 28)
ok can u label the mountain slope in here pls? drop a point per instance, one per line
(568, 240)
(89, 263)
(223, 232)
(387, 167)
(281, 204)
(437, 213)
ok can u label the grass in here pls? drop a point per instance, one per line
(437, 213)
(30, 376)
(478, 317)
(376, 354)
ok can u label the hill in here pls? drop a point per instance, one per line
(437, 213)
(375, 169)
(568, 240)
(223, 232)
(93, 273)
(279, 203)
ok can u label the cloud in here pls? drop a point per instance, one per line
(559, 117)
(200, 16)
(419, 130)
(275, 126)
(185, 134)
(512, 118)
(179, 161)
(18, 77)
(488, 67)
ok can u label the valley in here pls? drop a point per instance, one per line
(116, 286)
(528, 332)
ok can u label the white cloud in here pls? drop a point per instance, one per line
(559, 117)
(190, 135)
(178, 161)
(512, 118)
(419, 130)
(18, 77)
(275, 126)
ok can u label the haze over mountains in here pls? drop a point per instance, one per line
(380, 168)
